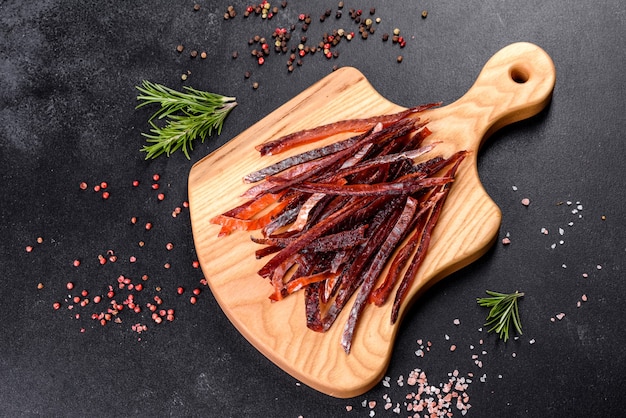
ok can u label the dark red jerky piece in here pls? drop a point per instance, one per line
(312, 307)
(380, 227)
(375, 267)
(265, 251)
(304, 240)
(334, 242)
(411, 272)
(324, 131)
(381, 293)
(395, 188)
(299, 159)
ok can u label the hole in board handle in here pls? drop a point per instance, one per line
(519, 75)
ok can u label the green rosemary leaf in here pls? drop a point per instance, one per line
(504, 311)
(183, 115)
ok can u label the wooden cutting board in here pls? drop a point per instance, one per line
(515, 83)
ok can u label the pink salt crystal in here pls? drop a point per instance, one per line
(525, 201)
(506, 241)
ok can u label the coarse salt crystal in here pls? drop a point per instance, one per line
(560, 316)
(561, 231)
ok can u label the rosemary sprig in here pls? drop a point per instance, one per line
(189, 114)
(504, 311)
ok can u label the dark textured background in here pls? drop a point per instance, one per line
(67, 76)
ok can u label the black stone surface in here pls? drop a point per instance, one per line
(67, 115)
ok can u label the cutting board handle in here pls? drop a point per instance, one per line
(515, 83)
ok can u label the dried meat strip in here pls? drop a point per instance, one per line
(397, 188)
(418, 258)
(375, 268)
(304, 157)
(308, 136)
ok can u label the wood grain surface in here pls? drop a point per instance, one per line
(515, 83)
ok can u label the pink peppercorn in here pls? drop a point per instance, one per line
(105, 195)
(139, 287)
(29, 248)
(148, 226)
(155, 186)
(83, 186)
(76, 263)
(160, 196)
(156, 177)
(135, 183)
(69, 285)
(195, 264)
(193, 300)
(97, 299)
(169, 246)
(180, 290)
(56, 305)
(104, 185)
(196, 291)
